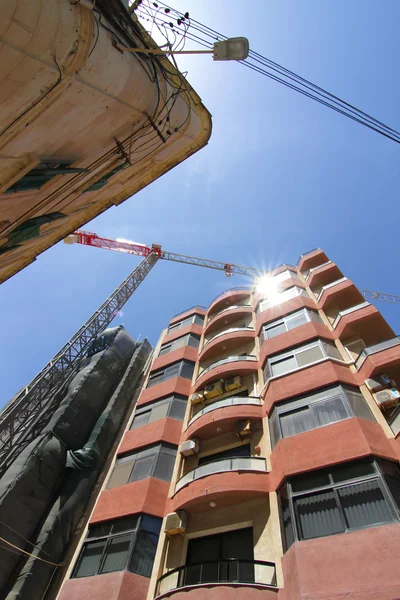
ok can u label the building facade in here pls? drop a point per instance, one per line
(84, 125)
(262, 457)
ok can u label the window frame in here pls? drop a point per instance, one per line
(155, 451)
(305, 401)
(191, 320)
(283, 321)
(284, 296)
(108, 538)
(164, 374)
(179, 342)
(334, 486)
(148, 408)
(320, 343)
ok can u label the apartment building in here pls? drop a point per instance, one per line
(262, 458)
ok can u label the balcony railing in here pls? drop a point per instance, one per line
(226, 360)
(231, 401)
(329, 285)
(343, 313)
(226, 309)
(307, 273)
(228, 570)
(240, 463)
(376, 348)
(230, 330)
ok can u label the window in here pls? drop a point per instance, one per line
(187, 340)
(197, 319)
(340, 499)
(288, 294)
(300, 317)
(182, 368)
(300, 357)
(124, 544)
(315, 410)
(41, 174)
(172, 406)
(220, 549)
(154, 461)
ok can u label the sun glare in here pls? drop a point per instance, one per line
(267, 286)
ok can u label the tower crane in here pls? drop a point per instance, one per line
(29, 411)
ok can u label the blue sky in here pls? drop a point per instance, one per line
(280, 176)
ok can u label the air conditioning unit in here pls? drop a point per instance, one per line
(214, 390)
(189, 447)
(176, 523)
(233, 383)
(243, 428)
(387, 398)
(196, 398)
(381, 382)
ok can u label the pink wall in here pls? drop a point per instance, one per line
(110, 586)
(166, 430)
(223, 592)
(361, 565)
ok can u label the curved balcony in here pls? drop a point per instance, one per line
(226, 316)
(230, 570)
(222, 415)
(226, 367)
(228, 298)
(226, 340)
(223, 465)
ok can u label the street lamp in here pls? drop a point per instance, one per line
(230, 49)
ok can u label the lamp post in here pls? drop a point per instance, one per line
(230, 49)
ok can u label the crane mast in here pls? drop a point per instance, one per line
(29, 411)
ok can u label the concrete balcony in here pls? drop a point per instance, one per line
(226, 299)
(227, 316)
(223, 415)
(226, 367)
(227, 339)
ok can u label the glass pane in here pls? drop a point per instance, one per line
(310, 481)
(187, 370)
(296, 320)
(124, 524)
(143, 555)
(296, 421)
(164, 349)
(314, 316)
(143, 468)
(155, 378)
(283, 366)
(116, 554)
(150, 524)
(165, 465)
(232, 452)
(328, 411)
(90, 558)
(178, 409)
(120, 474)
(274, 429)
(237, 544)
(172, 371)
(352, 470)
(100, 529)
(159, 411)
(309, 356)
(364, 504)
(318, 515)
(140, 420)
(359, 405)
(198, 320)
(287, 520)
(332, 351)
(274, 330)
(193, 341)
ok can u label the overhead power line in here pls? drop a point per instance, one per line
(168, 20)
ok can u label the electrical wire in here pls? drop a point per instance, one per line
(49, 562)
(206, 36)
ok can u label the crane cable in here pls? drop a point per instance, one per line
(268, 68)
